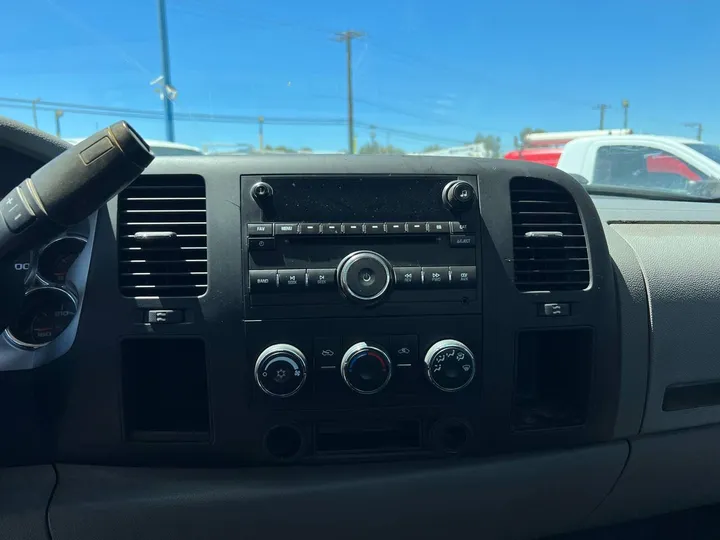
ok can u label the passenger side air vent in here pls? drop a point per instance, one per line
(549, 245)
(162, 231)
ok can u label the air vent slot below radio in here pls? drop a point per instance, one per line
(549, 243)
(162, 231)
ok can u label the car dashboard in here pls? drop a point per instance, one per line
(348, 345)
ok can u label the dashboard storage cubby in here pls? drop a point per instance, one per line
(552, 378)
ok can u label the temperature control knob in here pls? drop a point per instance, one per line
(449, 365)
(364, 276)
(281, 370)
(366, 368)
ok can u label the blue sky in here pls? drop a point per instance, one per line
(443, 70)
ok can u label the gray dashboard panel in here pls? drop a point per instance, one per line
(24, 496)
(665, 473)
(520, 497)
(681, 263)
(634, 335)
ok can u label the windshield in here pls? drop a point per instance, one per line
(416, 77)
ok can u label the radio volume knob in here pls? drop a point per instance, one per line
(281, 370)
(365, 277)
(449, 365)
(366, 368)
(459, 195)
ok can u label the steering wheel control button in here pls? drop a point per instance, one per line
(463, 277)
(366, 368)
(459, 195)
(260, 229)
(15, 211)
(262, 281)
(408, 277)
(281, 370)
(286, 229)
(436, 277)
(462, 240)
(292, 280)
(321, 279)
(364, 276)
(261, 244)
(449, 365)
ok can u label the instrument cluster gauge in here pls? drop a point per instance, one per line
(25, 264)
(56, 258)
(45, 314)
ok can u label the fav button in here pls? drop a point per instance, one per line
(260, 229)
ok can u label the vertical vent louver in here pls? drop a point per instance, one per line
(549, 245)
(162, 231)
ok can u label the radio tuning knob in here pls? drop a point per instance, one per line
(459, 195)
(281, 370)
(449, 365)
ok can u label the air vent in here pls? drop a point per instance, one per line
(549, 245)
(162, 228)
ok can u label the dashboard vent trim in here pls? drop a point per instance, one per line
(549, 240)
(162, 237)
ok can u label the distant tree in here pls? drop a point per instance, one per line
(490, 142)
(305, 149)
(285, 149)
(373, 147)
(519, 139)
(432, 148)
(268, 147)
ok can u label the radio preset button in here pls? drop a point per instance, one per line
(309, 228)
(352, 228)
(286, 228)
(261, 244)
(436, 276)
(331, 228)
(260, 229)
(463, 277)
(440, 227)
(291, 280)
(374, 228)
(321, 278)
(408, 277)
(263, 281)
(395, 228)
(417, 227)
(462, 240)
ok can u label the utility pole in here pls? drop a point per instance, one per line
(625, 106)
(58, 114)
(34, 111)
(261, 138)
(602, 107)
(166, 83)
(698, 126)
(348, 37)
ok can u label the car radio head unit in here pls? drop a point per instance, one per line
(361, 241)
